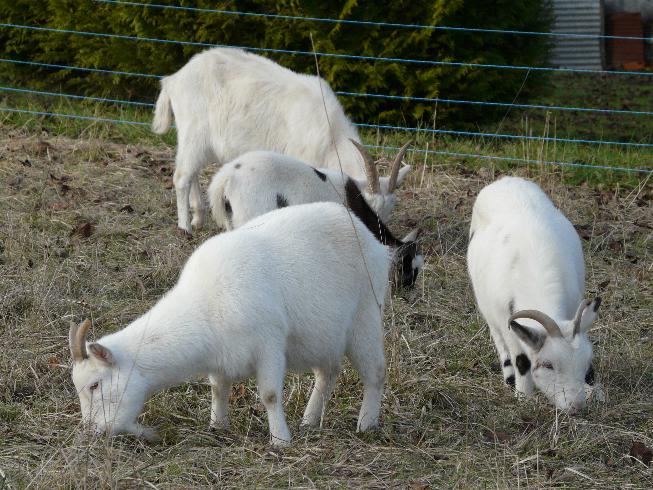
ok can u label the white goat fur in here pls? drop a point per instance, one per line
(524, 254)
(257, 300)
(253, 180)
(227, 102)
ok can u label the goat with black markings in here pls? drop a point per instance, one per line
(526, 263)
(258, 182)
(257, 300)
(227, 102)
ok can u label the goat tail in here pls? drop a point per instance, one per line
(162, 113)
(217, 197)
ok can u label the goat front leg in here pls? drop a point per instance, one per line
(505, 359)
(220, 389)
(521, 361)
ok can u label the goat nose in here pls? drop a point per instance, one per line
(576, 407)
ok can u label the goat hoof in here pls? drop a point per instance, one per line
(184, 233)
(197, 223)
(150, 435)
(280, 443)
(219, 425)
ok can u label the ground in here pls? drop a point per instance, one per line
(88, 230)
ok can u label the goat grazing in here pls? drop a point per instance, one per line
(261, 181)
(257, 300)
(227, 102)
(525, 261)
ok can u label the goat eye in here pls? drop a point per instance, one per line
(547, 365)
(94, 386)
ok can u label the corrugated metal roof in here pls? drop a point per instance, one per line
(578, 17)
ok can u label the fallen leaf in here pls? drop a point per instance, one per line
(418, 485)
(59, 205)
(615, 246)
(640, 452)
(583, 231)
(604, 284)
(42, 147)
(128, 208)
(496, 436)
(16, 182)
(237, 392)
(83, 230)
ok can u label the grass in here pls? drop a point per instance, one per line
(88, 230)
(621, 92)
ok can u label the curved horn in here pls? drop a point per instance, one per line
(77, 340)
(370, 168)
(543, 319)
(579, 314)
(394, 169)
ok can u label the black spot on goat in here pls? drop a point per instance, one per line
(510, 380)
(523, 364)
(321, 175)
(228, 212)
(282, 202)
(589, 376)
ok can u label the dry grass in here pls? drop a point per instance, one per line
(448, 421)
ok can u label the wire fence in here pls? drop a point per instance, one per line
(357, 58)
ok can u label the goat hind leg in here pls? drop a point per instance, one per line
(367, 356)
(269, 377)
(182, 187)
(196, 203)
(325, 380)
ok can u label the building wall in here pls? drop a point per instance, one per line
(578, 17)
(645, 7)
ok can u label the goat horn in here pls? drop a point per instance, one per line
(543, 319)
(370, 168)
(579, 314)
(394, 169)
(77, 340)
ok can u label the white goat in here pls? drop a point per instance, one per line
(257, 300)
(227, 102)
(261, 181)
(526, 262)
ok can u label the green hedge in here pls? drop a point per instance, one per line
(346, 75)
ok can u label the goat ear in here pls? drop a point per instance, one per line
(590, 314)
(385, 181)
(101, 353)
(413, 235)
(528, 335)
